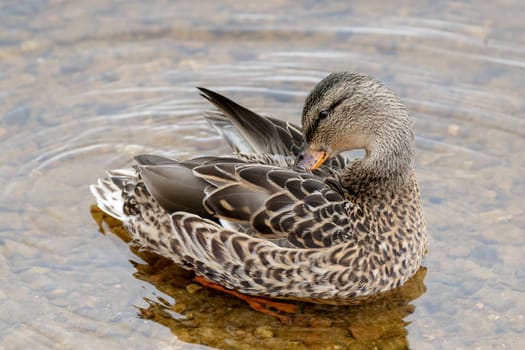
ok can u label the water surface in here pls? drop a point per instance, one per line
(84, 86)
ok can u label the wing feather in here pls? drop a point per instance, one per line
(248, 132)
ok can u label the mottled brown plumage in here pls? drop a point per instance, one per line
(259, 223)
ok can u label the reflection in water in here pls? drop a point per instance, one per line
(204, 316)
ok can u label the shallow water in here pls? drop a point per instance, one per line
(83, 88)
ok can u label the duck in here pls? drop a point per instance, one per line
(286, 215)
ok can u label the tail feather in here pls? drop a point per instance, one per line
(108, 192)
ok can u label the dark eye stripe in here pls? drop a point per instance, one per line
(322, 115)
(337, 103)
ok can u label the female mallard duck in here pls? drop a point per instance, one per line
(259, 223)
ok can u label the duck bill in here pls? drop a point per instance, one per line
(311, 159)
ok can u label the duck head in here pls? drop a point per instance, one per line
(347, 111)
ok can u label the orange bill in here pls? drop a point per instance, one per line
(312, 159)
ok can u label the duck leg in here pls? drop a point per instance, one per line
(256, 303)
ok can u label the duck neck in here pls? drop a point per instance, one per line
(388, 160)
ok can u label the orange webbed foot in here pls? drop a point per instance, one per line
(257, 303)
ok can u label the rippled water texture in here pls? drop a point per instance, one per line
(85, 85)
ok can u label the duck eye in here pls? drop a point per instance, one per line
(324, 113)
